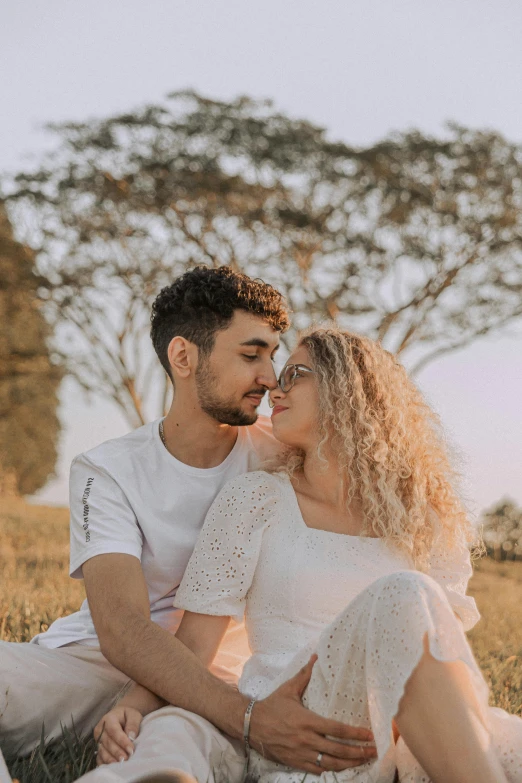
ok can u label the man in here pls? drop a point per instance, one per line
(137, 505)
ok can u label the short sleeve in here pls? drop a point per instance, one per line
(221, 568)
(102, 519)
(451, 568)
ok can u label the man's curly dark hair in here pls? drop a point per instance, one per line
(202, 302)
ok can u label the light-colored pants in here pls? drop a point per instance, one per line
(174, 739)
(69, 685)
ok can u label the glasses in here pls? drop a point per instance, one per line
(287, 378)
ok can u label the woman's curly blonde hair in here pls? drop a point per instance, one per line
(388, 443)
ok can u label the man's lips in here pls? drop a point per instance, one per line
(278, 409)
(255, 397)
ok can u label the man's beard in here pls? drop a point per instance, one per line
(224, 411)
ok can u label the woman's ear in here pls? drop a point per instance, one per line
(182, 355)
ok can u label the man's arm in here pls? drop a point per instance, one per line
(119, 604)
(117, 729)
(281, 727)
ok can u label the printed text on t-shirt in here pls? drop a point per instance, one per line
(85, 497)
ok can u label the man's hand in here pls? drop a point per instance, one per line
(283, 730)
(114, 734)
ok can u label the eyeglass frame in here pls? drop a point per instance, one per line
(296, 368)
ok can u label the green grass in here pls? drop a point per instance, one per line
(37, 589)
(62, 762)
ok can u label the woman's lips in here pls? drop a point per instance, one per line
(278, 409)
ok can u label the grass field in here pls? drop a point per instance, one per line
(35, 589)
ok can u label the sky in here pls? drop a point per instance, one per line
(360, 69)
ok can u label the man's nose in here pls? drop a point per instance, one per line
(268, 378)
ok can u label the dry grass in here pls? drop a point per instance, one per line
(35, 589)
(497, 638)
(34, 568)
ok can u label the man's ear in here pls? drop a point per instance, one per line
(183, 357)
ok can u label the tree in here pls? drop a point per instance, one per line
(29, 426)
(502, 530)
(415, 241)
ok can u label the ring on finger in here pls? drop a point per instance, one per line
(319, 759)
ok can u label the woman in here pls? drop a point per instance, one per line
(353, 548)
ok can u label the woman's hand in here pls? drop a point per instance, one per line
(115, 733)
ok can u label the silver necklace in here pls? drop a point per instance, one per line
(162, 434)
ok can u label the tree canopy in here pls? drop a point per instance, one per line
(416, 241)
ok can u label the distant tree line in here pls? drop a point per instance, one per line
(414, 240)
(502, 530)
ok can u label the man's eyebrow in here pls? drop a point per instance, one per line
(259, 343)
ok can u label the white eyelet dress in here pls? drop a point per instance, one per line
(353, 600)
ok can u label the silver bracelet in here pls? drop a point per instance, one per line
(246, 725)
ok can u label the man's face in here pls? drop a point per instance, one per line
(231, 382)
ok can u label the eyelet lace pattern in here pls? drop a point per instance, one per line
(354, 601)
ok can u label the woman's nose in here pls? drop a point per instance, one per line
(275, 395)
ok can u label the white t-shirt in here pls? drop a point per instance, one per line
(130, 495)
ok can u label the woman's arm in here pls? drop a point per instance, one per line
(117, 730)
(140, 698)
(202, 634)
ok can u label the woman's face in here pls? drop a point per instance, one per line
(295, 413)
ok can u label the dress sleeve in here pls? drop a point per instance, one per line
(451, 568)
(221, 568)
